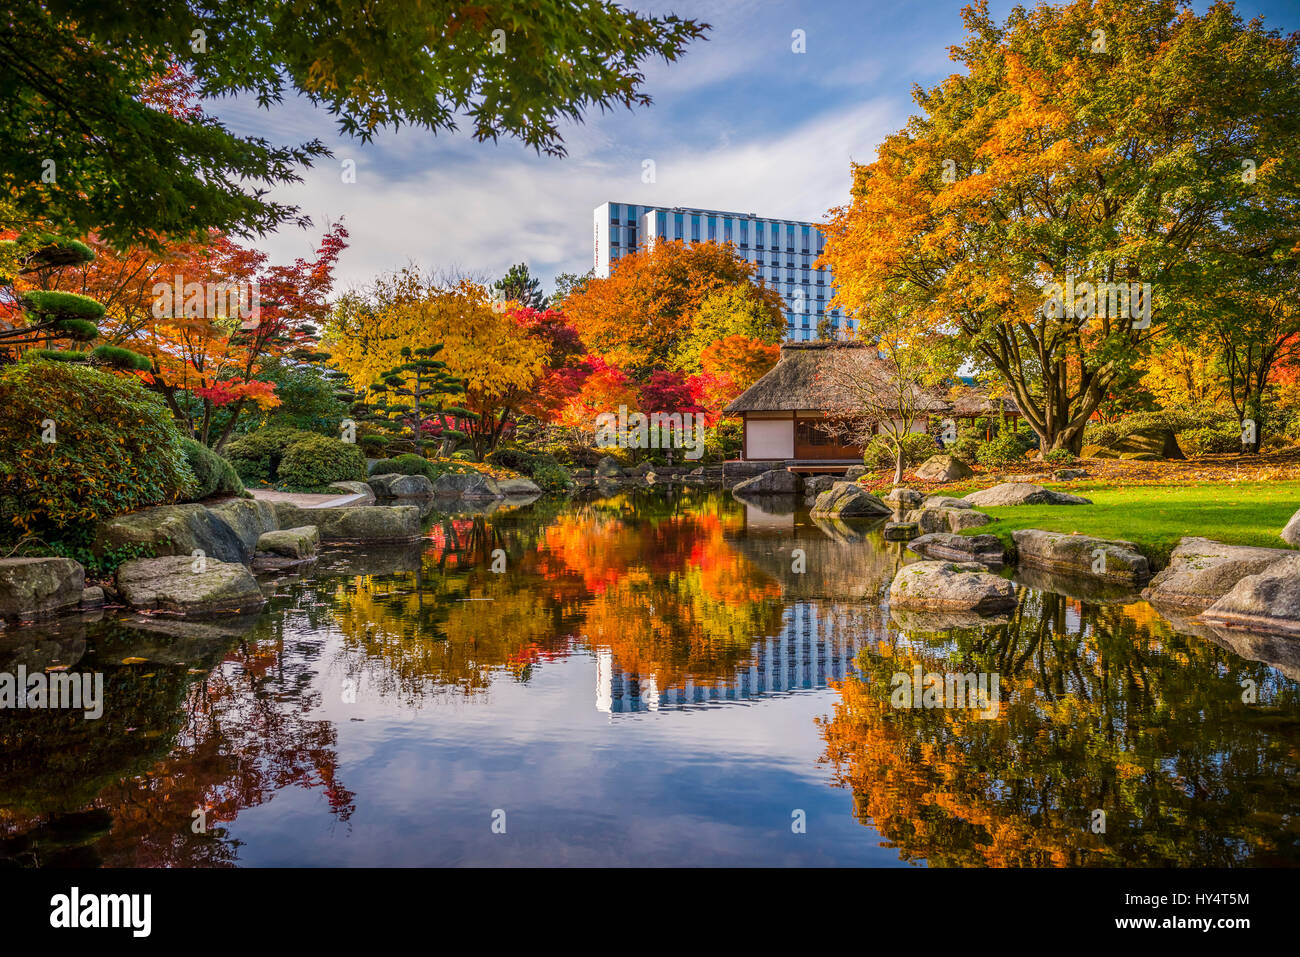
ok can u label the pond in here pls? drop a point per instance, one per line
(662, 677)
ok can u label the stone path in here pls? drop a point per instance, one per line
(304, 500)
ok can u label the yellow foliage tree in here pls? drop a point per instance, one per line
(483, 346)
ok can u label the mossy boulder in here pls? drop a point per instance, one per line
(951, 586)
(1082, 555)
(392, 524)
(1201, 571)
(849, 500)
(180, 585)
(39, 587)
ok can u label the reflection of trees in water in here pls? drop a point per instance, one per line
(1103, 708)
(224, 740)
(649, 577)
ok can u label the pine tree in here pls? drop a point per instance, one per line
(519, 286)
(422, 387)
(52, 316)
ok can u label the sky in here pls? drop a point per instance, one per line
(741, 123)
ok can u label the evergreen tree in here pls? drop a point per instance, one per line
(518, 285)
(422, 387)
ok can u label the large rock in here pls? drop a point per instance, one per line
(951, 586)
(814, 485)
(522, 487)
(945, 501)
(1158, 443)
(286, 548)
(906, 498)
(180, 585)
(391, 524)
(985, 549)
(900, 531)
(1022, 493)
(468, 485)
(1291, 534)
(771, 482)
(300, 542)
(943, 468)
(1268, 601)
(1200, 571)
(249, 519)
(946, 519)
(226, 533)
(849, 500)
(608, 468)
(397, 485)
(354, 488)
(855, 472)
(39, 587)
(1081, 555)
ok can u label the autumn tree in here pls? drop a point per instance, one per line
(747, 310)
(496, 356)
(642, 316)
(731, 365)
(1093, 143)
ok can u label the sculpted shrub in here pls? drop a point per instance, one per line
(78, 444)
(317, 460)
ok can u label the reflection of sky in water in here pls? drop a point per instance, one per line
(714, 783)
(652, 683)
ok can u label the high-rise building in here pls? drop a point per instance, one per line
(782, 251)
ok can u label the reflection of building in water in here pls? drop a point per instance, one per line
(810, 651)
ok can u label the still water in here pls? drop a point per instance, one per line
(656, 678)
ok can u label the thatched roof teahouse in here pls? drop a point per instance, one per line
(784, 411)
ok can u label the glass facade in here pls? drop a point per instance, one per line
(783, 254)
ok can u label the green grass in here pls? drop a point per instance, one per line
(1155, 517)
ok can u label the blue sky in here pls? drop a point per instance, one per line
(741, 123)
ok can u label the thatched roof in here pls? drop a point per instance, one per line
(798, 381)
(974, 403)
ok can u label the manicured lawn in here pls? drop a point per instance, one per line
(1155, 517)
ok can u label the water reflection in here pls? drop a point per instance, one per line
(1104, 708)
(432, 675)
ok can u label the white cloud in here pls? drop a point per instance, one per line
(483, 207)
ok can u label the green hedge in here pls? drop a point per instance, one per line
(1008, 447)
(213, 474)
(115, 447)
(256, 457)
(317, 460)
(1108, 434)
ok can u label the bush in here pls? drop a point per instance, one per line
(1210, 440)
(1059, 457)
(256, 457)
(552, 478)
(1108, 434)
(522, 461)
(1008, 447)
(115, 447)
(213, 475)
(917, 447)
(317, 460)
